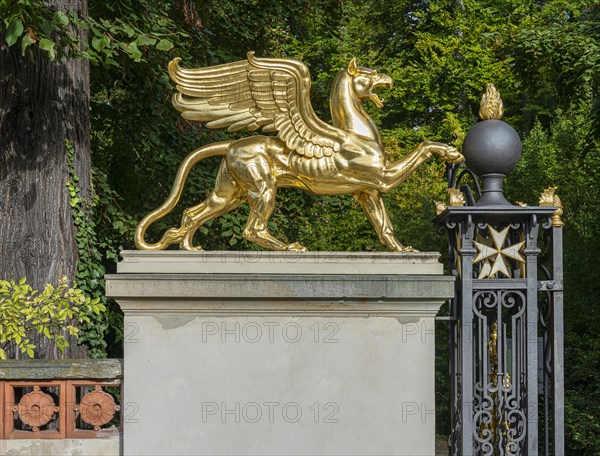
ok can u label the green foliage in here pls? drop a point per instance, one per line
(543, 57)
(557, 57)
(52, 313)
(99, 224)
(31, 23)
(562, 154)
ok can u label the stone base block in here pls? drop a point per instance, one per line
(256, 361)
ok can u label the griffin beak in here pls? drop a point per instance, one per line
(383, 80)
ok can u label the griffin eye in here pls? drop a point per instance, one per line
(361, 82)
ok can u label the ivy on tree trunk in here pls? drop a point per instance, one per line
(42, 105)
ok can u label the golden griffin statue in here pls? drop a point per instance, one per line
(273, 95)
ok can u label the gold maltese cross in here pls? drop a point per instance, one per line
(494, 256)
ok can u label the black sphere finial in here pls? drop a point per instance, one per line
(492, 149)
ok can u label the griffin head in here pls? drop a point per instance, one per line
(365, 80)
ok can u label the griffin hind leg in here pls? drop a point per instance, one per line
(226, 197)
(262, 204)
(249, 163)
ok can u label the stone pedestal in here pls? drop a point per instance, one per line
(276, 353)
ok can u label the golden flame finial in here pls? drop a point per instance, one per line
(491, 104)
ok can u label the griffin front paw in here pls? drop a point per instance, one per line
(295, 247)
(452, 155)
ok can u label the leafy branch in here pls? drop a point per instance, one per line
(30, 24)
(51, 313)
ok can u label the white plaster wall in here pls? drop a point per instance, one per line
(279, 385)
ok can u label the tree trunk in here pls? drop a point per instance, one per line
(42, 105)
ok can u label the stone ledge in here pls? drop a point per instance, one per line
(227, 294)
(398, 309)
(269, 262)
(59, 369)
(285, 287)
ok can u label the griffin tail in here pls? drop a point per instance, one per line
(211, 150)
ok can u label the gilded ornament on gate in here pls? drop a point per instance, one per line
(493, 253)
(499, 423)
(440, 207)
(273, 95)
(456, 197)
(550, 198)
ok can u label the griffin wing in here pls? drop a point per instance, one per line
(271, 94)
